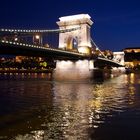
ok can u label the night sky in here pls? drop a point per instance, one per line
(116, 22)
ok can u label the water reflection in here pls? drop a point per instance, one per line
(40, 109)
(23, 76)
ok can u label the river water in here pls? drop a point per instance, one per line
(35, 107)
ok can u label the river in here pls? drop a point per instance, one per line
(36, 107)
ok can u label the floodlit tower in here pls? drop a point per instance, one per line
(81, 36)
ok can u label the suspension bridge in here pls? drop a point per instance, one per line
(72, 41)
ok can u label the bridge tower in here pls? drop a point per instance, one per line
(78, 39)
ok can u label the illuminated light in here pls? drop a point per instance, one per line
(95, 126)
(83, 50)
(37, 37)
(68, 70)
(66, 64)
(91, 64)
(132, 77)
(16, 39)
(7, 41)
(132, 92)
(3, 41)
(20, 44)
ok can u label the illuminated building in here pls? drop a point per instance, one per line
(119, 57)
(132, 57)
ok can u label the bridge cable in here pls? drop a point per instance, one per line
(97, 48)
(39, 31)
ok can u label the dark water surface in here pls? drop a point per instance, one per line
(35, 107)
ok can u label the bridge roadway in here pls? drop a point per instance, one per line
(22, 49)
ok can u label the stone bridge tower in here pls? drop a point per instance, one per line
(77, 39)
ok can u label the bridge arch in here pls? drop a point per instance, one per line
(72, 43)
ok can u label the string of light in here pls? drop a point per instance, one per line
(39, 31)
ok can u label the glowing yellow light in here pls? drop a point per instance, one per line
(132, 78)
(37, 36)
(83, 50)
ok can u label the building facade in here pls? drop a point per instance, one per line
(132, 57)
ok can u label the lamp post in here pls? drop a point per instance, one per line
(37, 39)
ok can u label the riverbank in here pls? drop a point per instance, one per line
(27, 71)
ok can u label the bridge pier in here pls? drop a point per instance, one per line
(73, 70)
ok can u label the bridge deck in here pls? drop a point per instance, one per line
(8, 47)
(16, 48)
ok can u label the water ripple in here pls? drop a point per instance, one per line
(38, 108)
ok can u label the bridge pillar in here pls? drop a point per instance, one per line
(73, 70)
(77, 39)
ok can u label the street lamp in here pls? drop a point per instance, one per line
(37, 39)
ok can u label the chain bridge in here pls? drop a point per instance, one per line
(72, 42)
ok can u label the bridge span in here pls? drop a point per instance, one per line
(22, 49)
(75, 52)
